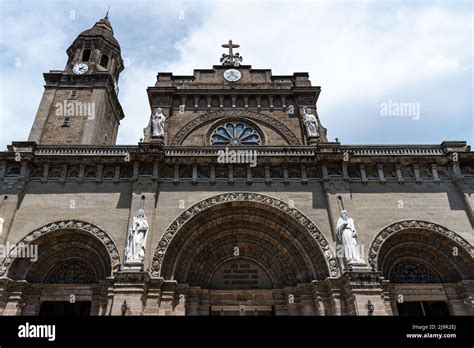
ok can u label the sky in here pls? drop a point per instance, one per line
(367, 56)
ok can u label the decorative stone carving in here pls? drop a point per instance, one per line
(412, 272)
(72, 272)
(130, 278)
(347, 235)
(231, 58)
(415, 225)
(363, 278)
(257, 117)
(135, 250)
(66, 224)
(158, 124)
(243, 196)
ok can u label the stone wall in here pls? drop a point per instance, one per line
(110, 205)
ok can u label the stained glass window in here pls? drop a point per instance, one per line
(235, 133)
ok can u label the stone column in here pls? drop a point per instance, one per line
(14, 303)
(320, 298)
(280, 302)
(293, 301)
(305, 294)
(181, 299)
(334, 298)
(359, 288)
(388, 298)
(32, 301)
(129, 286)
(167, 299)
(153, 295)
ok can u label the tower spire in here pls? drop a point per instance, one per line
(107, 14)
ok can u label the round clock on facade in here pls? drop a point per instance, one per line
(232, 75)
(80, 69)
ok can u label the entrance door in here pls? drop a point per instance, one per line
(61, 308)
(423, 308)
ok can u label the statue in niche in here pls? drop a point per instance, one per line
(135, 251)
(347, 235)
(158, 124)
(310, 122)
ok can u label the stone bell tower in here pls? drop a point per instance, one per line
(80, 104)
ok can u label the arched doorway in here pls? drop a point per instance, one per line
(67, 271)
(244, 254)
(428, 268)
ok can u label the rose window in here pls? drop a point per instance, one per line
(235, 133)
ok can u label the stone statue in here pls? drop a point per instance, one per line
(231, 58)
(225, 59)
(158, 124)
(309, 121)
(135, 251)
(238, 59)
(348, 236)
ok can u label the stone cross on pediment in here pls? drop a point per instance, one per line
(231, 58)
(231, 46)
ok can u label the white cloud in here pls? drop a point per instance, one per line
(360, 53)
(340, 46)
(134, 100)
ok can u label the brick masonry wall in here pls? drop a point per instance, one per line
(83, 129)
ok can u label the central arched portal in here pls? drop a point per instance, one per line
(244, 256)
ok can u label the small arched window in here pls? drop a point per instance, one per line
(104, 60)
(235, 133)
(86, 55)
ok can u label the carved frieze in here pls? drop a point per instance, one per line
(243, 196)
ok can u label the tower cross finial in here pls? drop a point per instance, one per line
(231, 58)
(230, 46)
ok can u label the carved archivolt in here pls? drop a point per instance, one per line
(413, 225)
(61, 225)
(246, 197)
(258, 117)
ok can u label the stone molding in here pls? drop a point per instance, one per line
(294, 213)
(238, 113)
(386, 232)
(60, 225)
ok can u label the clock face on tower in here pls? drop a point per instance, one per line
(232, 75)
(80, 69)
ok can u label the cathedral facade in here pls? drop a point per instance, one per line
(235, 202)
